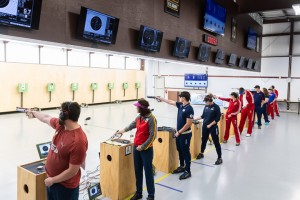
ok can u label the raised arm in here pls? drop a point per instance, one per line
(43, 117)
(224, 99)
(170, 102)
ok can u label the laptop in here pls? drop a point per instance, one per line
(94, 191)
(43, 149)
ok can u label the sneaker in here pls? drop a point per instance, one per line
(237, 144)
(200, 156)
(278, 115)
(179, 170)
(211, 143)
(259, 127)
(256, 122)
(248, 135)
(150, 198)
(219, 161)
(136, 196)
(267, 123)
(272, 118)
(185, 175)
(225, 141)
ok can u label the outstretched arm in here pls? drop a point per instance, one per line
(170, 102)
(43, 117)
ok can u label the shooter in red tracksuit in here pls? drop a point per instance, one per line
(231, 116)
(247, 104)
(275, 103)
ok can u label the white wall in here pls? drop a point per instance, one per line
(221, 84)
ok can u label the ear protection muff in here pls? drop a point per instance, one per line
(64, 114)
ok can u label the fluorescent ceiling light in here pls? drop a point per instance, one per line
(296, 8)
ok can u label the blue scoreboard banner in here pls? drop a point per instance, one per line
(196, 80)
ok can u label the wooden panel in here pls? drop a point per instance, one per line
(165, 152)
(117, 176)
(173, 95)
(196, 140)
(34, 183)
(38, 76)
(221, 126)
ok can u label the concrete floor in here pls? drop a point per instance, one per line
(265, 166)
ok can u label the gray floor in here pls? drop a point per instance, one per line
(265, 166)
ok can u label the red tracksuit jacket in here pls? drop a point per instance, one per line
(234, 106)
(276, 93)
(249, 98)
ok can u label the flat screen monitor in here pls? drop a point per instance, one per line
(21, 13)
(232, 59)
(204, 52)
(150, 39)
(242, 62)
(98, 27)
(251, 39)
(94, 191)
(256, 65)
(220, 56)
(43, 149)
(215, 17)
(250, 63)
(196, 80)
(182, 48)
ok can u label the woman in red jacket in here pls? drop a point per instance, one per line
(231, 116)
(146, 126)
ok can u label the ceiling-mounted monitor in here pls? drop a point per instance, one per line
(21, 13)
(251, 39)
(220, 56)
(150, 39)
(97, 27)
(215, 17)
(232, 59)
(204, 52)
(182, 48)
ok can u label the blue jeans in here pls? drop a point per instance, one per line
(143, 159)
(183, 148)
(59, 192)
(258, 111)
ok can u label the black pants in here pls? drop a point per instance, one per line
(59, 192)
(258, 111)
(264, 112)
(214, 132)
(183, 142)
(143, 159)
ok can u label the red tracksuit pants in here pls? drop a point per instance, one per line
(276, 108)
(271, 110)
(232, 120)
(246, 113)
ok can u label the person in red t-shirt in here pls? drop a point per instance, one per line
(231, 116)
(146, 132)
(275, 103)
(67, 152)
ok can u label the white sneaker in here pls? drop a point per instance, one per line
(248, 135)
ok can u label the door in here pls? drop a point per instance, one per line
(159, 86)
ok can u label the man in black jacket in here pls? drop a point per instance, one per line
(211, 116)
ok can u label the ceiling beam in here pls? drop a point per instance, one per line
(249, 6)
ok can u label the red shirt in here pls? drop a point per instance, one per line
(67, 147)
(234, 106)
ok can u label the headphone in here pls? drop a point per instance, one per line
(208, 98)
(64, 114)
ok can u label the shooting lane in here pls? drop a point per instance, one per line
(31, 181)
(117, 176)
(38, 77)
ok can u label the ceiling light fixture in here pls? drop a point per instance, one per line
(296, 8)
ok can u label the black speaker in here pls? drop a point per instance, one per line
(204, 52)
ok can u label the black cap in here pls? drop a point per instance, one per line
(186, 95)
(257, 86)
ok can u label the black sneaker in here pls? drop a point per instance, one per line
(237, 144)
(185, 175)
(200, 156)
(219, 161)
(150, 198)
(259, 127)
(136, 196)
(178, 170)
(278, 115)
